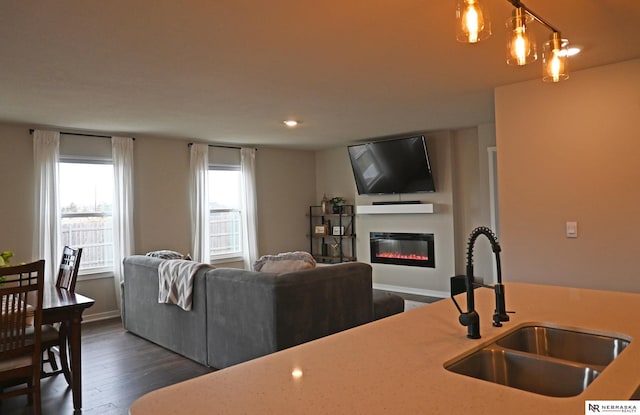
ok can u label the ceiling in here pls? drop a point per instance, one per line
(229, 71)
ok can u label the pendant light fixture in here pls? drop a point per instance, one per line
(521, 43)
(554, 59)
(473, 25)
(472, 22)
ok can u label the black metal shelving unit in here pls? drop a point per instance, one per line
(332, 235)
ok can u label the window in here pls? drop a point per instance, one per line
(225, 212)
(86, 205)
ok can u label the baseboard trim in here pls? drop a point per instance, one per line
(409, 290)
(100, 316)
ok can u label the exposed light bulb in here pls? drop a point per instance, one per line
(555, 59)
(473, 24)
(290, 123)
(555, 67)
(521, 46)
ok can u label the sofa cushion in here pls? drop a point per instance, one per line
(285, 262)
(168, 254)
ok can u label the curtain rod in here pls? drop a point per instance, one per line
(220, 146)
(31, 130)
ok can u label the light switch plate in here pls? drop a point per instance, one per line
(572, 229)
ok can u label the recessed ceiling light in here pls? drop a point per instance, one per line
(290, 123)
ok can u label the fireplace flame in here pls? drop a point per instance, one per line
(398, 255)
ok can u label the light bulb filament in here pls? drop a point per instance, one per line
(555, 66)
(521, 48)
(472, 23)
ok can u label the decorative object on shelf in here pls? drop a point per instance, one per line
(320, 230)
(336, 203)
(324, 204)
(334, 249)
(337, 231)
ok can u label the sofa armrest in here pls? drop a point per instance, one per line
(252, 314)
(164, 324)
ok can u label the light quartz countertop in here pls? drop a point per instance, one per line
(396, 365)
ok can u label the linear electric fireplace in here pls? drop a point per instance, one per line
(412, 249)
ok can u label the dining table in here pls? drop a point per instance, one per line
(63, 306)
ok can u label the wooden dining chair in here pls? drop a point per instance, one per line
(55, 336)
(21, 291)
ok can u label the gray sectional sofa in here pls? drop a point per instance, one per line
(239, 315)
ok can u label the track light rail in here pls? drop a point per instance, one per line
(518, 3)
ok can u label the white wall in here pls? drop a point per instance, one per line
(570, 152)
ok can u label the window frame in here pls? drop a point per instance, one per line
(97, 272)
(235, 256)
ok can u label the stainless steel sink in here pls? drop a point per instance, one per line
(591, 349)
(544, 360)
(526, 372)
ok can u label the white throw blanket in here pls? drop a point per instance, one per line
(175, 278)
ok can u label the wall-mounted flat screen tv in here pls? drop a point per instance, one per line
(392, 166)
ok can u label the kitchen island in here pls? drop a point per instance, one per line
(397, 365)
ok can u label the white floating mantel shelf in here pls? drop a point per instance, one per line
(394, 208)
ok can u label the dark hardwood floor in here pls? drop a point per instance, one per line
(412, 297)
(117, 368)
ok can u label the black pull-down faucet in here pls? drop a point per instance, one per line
(470, 318)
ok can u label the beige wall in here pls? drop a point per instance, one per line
(161, 186)
(334, 176)
(471, 197)
(16, 200)
(570, 152)
(285, 187)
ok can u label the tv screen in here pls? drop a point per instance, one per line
(392, 166)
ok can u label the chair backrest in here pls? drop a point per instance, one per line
(69, 265)
(21, 308)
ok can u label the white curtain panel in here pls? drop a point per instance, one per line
(46, 224)
(199, 202)
(123, 235)
(249, 206)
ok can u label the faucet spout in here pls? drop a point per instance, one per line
(470, 318)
